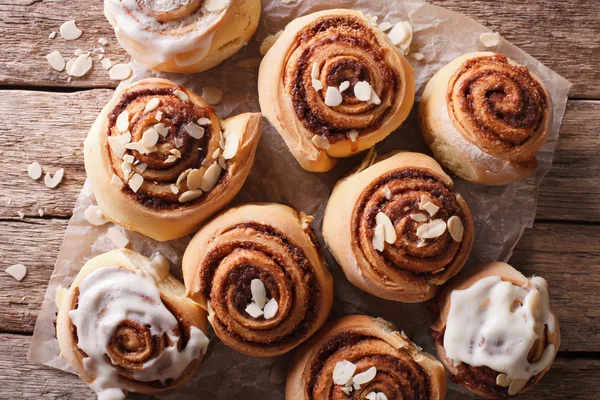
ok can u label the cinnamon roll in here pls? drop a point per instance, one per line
(125, 325)
(360, 357)
(161, 162)
(485, 117)
(259, 273)
(509, 319)
(182, 35)
(397, 228)
(333, 85)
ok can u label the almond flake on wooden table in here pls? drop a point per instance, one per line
(56, 60)
(53, 181)
(117, 237)
(20, 214)
(70, 31)
(211, 177)
(40, 212)
(79, 66)
(78, 52)
(52, 35)
(120, 72)
(212, 95)
(17, 271)
(106, 63)
(490, 39)
(34, 170)
(103, 41)
(95, 216)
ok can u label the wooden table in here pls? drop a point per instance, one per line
(45, 118)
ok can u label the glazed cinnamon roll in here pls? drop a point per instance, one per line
(161, 162)
(397, 228)
(125, 325)
(334, 85)
(182, 35)
(259, 273)
(360, 357)
(509, 319)
(485, 117)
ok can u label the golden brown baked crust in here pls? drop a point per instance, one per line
(344, 46)
(482, 380)
(213, 40)
(127, 362)
(156, 209)
(402, 271)
(403, 370)
(275, 244)
(485, 117)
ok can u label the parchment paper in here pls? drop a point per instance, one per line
(501, 213)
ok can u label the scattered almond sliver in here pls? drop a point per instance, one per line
(34, 170)
(95, 216)
(117, 237)
(53, 181)
(17, 271)
(120, 72)
(56, 60)
(79, 66)
(70, 31)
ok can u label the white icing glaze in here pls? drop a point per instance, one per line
(156, 42)
(481, 329)
(111, 295)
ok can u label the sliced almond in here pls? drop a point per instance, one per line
(212, 95)
(344, 86)
(40, 212)
(103, 41)
(120, 72)
(56, 60)
(431, 230)
(317, 84)
(456, 228)
(232, 143)
(149, 138)
(515, 386)
(365, 377)
(424, 200)
(95, 216)
(490, 39)
(254, 310)
(388, 227)
(190, 195)
(34, 170)
(158, 117)
(183, 175)
(53, 181)
(259, 292)
(141, 167)
(140, 148)
(418, 217)
(501, 380)
(321, 142)
(136, 182)
(17, 271)
(374, 99)
(79, 66)
(204, 121)
(122, 122)
(20, 214)
(333, 97)
(181, 94)
(215, 6)
(194, 130)
(417, 56)
(271, 309)
(379, 237)
(161, 128)
(116, 181)
(362, 90)
(70, 31)
(52, 35)
(353, 135)
(174, 188)
(431, 208)
(176, 153)
(385, 26)
(371, 396)
(422, 243)
(315, 72)
(194, 179)
(78, 52)
(117, 237)
(343, 372)
(152, 104)
(211, 177)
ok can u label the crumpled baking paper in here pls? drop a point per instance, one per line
(501, 213)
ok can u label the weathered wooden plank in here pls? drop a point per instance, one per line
(563, 34)
(48, 128)
(53, 135)
(553, 251)
(573, 378)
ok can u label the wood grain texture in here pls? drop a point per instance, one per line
(563, 34)
(558, 252)
(569, 192)
(23, 379)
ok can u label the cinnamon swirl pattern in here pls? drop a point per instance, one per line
(260, 275)
(485, 117)
(182, 35)
(125, 325)
(161, 161)
(397, 228)
(360, 357)
(509, 317)
(334, 85)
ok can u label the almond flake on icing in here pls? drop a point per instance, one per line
(362, 90)
(120, 72)
(34, 170)
(17, 271)
(456, 228)
(152, 104)
(379, 237)
(353, 135)
(489, 39)
(431, 230)
(333, 97)
(117, 237)
(70, 31)
(181, 94)
(211, 177)
(212, 95)
(95, 216)
(388, 227)
(116, 181)
(194, 130)
(136, 182)
(343, 372)
(53, 181)
(190, 195)
(321, 142)
(123, 121)
(56, 60)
